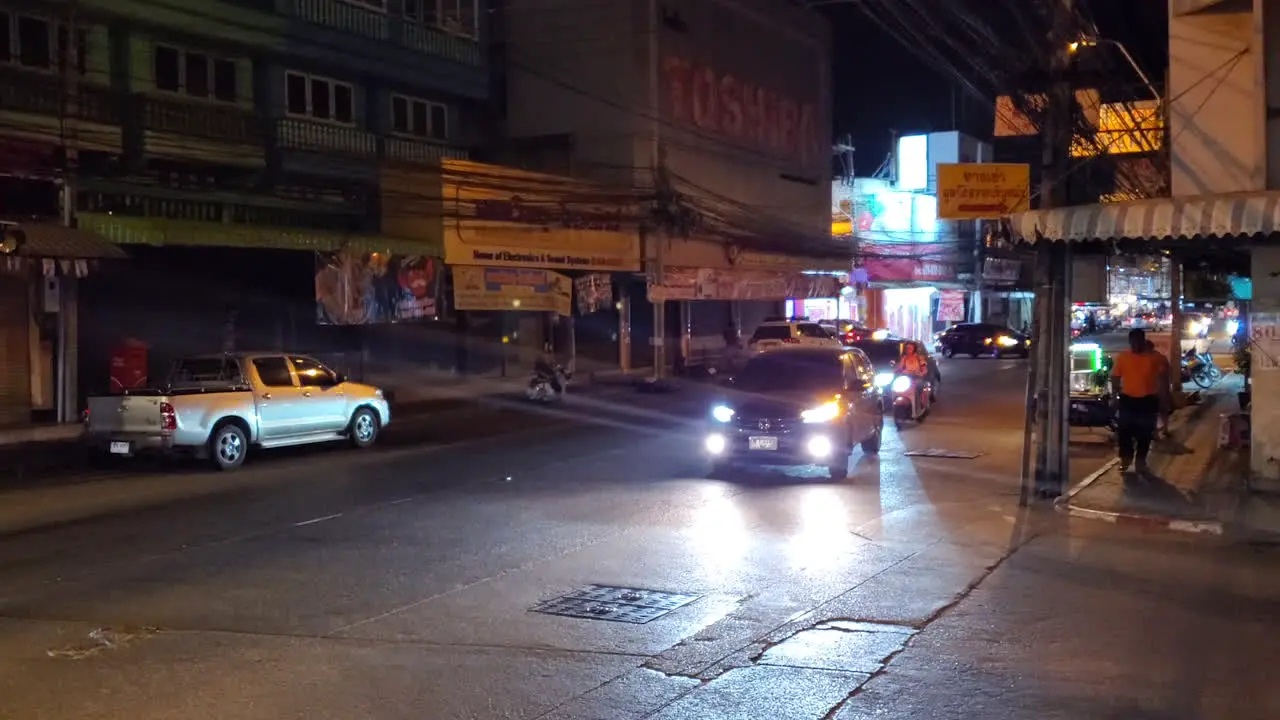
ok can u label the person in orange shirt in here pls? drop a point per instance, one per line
(1141, 377)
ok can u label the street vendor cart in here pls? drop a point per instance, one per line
(1092, 404)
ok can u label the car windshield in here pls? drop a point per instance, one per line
(881, 353)
(772, 332)
(791, 372)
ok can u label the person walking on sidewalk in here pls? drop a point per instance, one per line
(1141, 376)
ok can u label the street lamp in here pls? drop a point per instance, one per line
(11, 240)
(1088, 42)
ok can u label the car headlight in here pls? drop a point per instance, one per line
(901, 384)
(823, 413)
(1006, 341)
(377, 392)
(883, 379)
(722, 413)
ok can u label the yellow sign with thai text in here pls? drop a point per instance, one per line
(501, 288)
(504, 217)
(982, 191)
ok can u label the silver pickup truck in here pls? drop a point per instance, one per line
(216, 407)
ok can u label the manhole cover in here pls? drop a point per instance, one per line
(943, 453)
(616, 604)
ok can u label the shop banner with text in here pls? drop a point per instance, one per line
(493, 288)
(594, 292)
(951, 306)
(354, 288)
(908, 262)
(714, 284)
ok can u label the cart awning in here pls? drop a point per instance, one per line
(48, 241)
(1224, 215)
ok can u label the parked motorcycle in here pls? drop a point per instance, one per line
(1200, 369)
(909, 397)
(548, 384)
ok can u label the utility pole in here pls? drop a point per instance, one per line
(1048, 386)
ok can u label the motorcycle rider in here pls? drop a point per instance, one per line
(916, 366)
(546, 367)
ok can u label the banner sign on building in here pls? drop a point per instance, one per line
(496, 288)
(908, 262)
(1001, 272)
(503, 217)
(716, 284)
(354, 288)
(594, 292)
(982, 191)
(951, 306)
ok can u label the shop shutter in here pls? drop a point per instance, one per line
(15, 357)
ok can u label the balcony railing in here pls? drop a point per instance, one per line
(418, 151)
(324, 137)
(45, 94)
(344, 16)
(227, 124)
(443, 44)
(381, 26)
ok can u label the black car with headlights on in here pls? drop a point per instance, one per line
(798, 406)
(974, 339)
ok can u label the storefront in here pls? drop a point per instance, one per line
(40, 265)
(517, 242)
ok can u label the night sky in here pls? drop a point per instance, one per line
(870, 99)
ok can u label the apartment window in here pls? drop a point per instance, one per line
(32, 42)
(459, 17)
(194, 74)
(319, 98)
(419, 118)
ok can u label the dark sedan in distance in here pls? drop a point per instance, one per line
(974, 339)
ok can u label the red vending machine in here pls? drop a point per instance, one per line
(129, 367)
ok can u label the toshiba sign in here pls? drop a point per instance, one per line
(741, 111)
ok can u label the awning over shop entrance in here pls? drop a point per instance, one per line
(1223, 215)
(48, 241)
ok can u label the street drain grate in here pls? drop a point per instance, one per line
(615, 604)
(943, 453)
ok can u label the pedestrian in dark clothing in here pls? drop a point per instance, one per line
(1142, 379)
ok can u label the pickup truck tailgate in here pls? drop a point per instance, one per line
(125, 414)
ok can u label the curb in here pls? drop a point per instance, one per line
(1149, 522)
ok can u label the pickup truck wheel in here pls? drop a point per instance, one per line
(364, 428)
(228, 447)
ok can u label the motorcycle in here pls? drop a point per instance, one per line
(1200, 369)
(548, 384)
(909, 396)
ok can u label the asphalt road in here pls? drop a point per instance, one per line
(397, 583)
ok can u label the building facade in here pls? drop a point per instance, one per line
(235, 124)
(733, 145)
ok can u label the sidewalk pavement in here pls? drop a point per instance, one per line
(1193, 485)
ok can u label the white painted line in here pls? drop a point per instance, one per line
(401, 500)
(1203, 527)
(1090, 479)
(313, 521)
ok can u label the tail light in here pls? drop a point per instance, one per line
(168, 417)
(85, 416)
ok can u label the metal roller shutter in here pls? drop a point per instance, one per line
(15, 356)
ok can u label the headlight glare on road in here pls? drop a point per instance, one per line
(722, 413)
(901, 384)
(1006, 341)
(883, 379)
(823, 413)
(715, 443)
(819, 446)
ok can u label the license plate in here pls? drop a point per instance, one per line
(119, 448)
(762, 443)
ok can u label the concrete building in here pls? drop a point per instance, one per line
(722, 109)
(219, 123)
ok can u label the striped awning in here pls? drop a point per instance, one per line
(1225, 215)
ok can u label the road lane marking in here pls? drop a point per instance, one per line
(320, 519)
